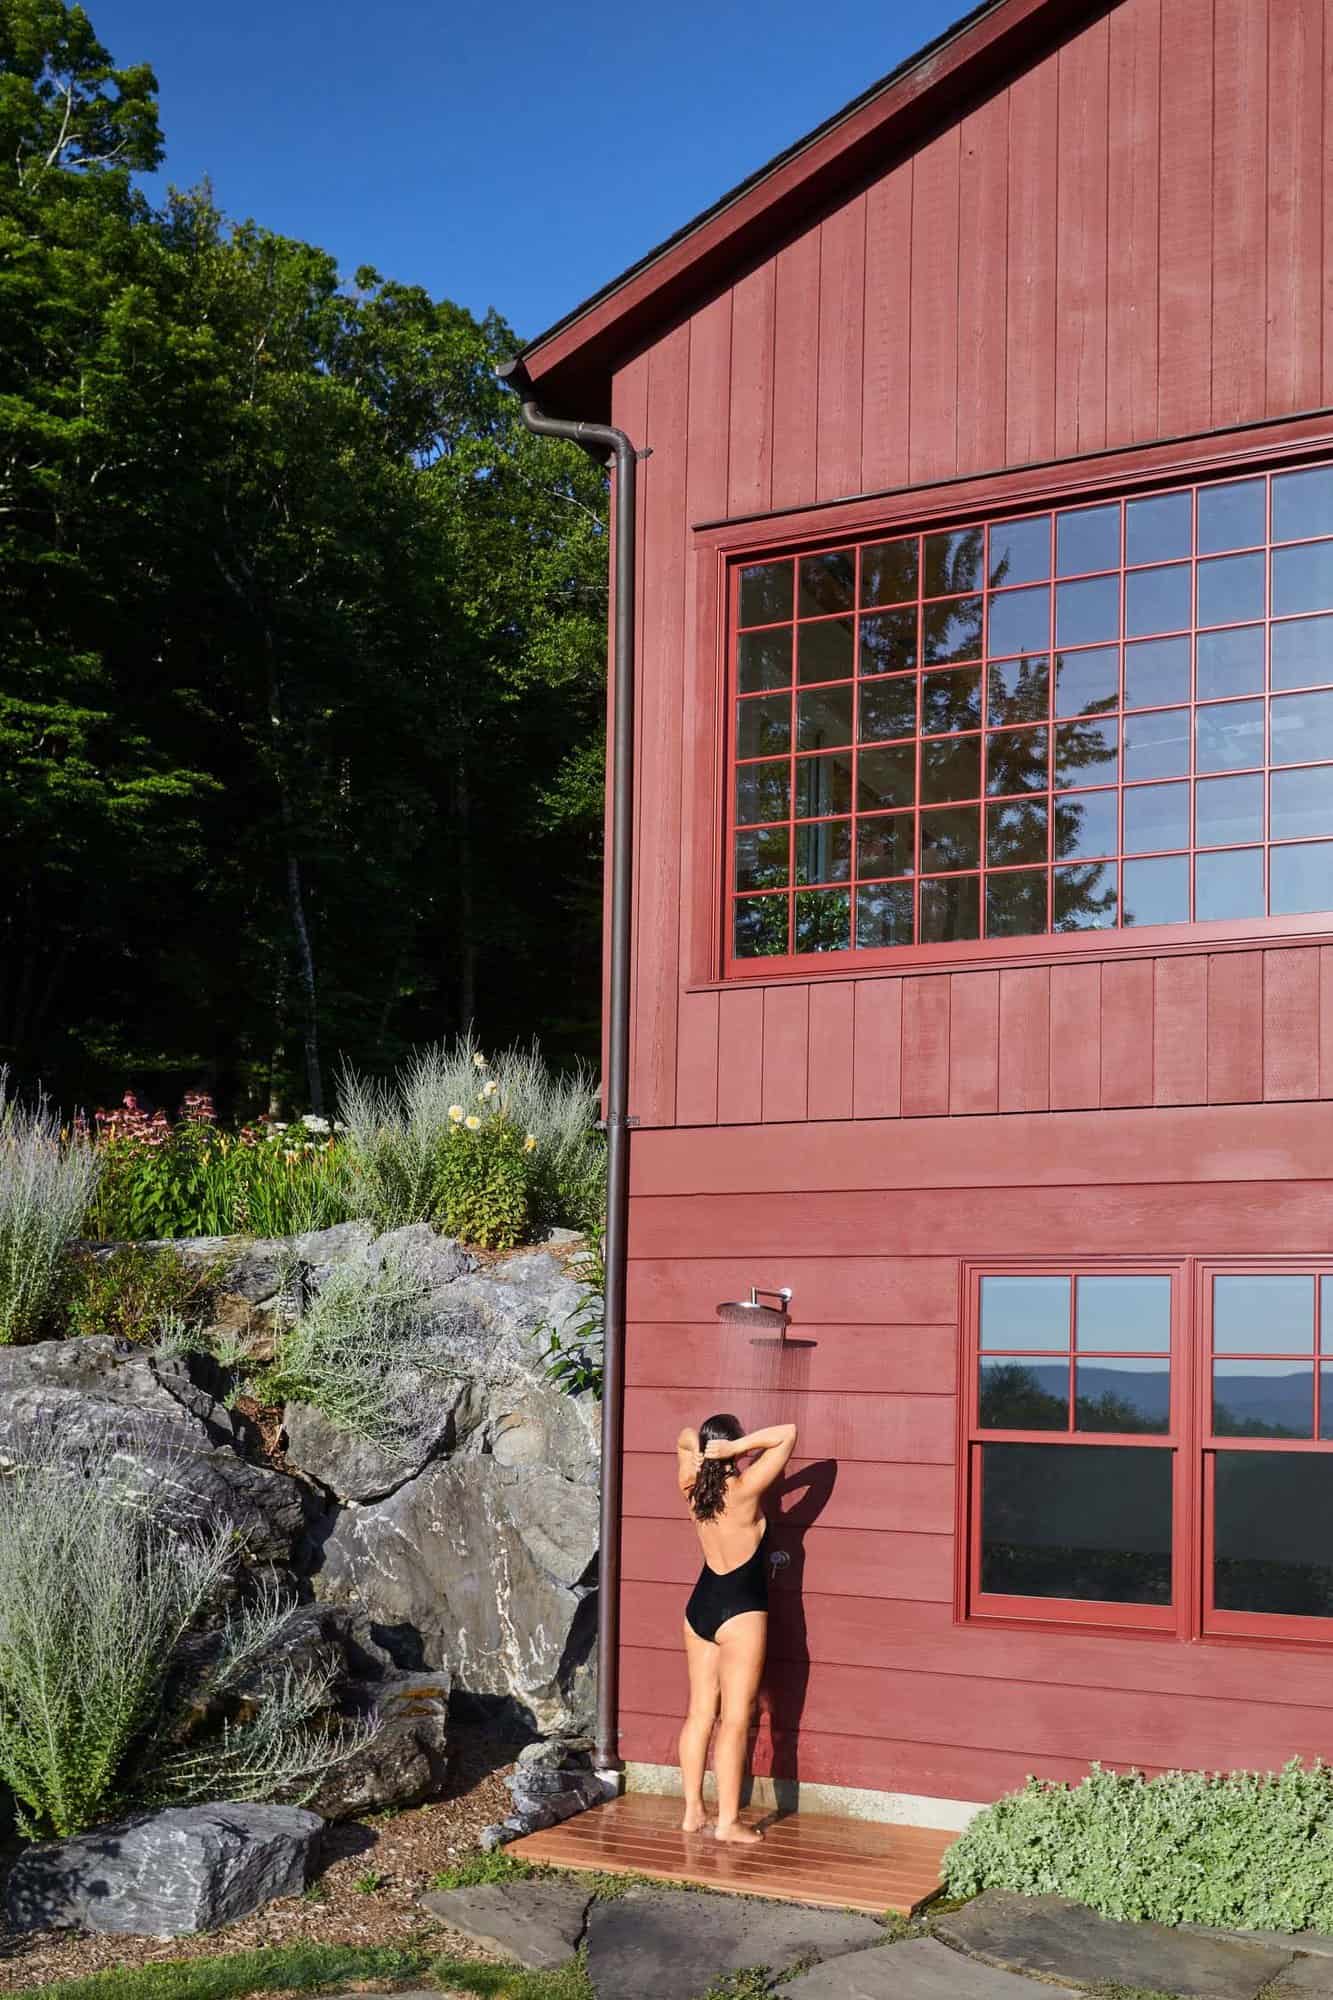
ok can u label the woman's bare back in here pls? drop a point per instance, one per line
(733, 1536)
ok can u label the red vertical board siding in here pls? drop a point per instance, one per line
(1235, 1027)
(1025, 1039)
(1184, 391)
(1180, 1031)
(1081, 245)
(1240, 203)
(933, 448)
(1127, 1032)
(887, 384)
(1291, 1023)
(1296, 167)
(629, 410)
(786, 1053)
(696, 1066)
(1076, 1060)
(925, 1047)
(795, 370)
(1326, 1021)
(704, 701)
(974, 1042)
(877, 1055)
(983, 195)
(842, 302)
(662, 618)
(740, 1056)
(1030, 294)
(750, 464)
(831, 1043)
(1132, 205)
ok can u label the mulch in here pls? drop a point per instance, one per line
(406, 1849)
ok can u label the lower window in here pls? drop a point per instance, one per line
(1152, 1447)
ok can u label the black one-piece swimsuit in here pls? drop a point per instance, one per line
(719, 1595)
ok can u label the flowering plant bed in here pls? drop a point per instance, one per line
(191, 1178)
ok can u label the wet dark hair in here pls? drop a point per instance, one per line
(710, 1481)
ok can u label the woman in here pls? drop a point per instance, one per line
(726, 1619)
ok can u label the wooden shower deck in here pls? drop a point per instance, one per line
(805, 1858)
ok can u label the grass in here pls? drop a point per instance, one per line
(299, 1968)
(511, 1982)
(501, 1867)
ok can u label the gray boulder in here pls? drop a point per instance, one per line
(351, 1467)
(168, 1433)
(406, 1761)
(490, 1566)
(166, 1874)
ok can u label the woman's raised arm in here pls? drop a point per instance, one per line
(688, 1459)
(774, 1445)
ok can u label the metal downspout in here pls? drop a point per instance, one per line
(605, 441)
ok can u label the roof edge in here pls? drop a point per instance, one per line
(575, 356)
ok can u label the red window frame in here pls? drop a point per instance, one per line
(1216, 1622)
(1193, 1613)
(860, 533)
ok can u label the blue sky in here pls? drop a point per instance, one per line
(473, 149)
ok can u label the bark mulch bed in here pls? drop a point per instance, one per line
(407, 1850)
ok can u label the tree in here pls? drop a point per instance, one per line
(302, 670)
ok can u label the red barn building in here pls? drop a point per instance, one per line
(983, 878)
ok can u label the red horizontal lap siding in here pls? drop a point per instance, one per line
(1154, 1218)
(925, 1770)
(898, 1635)
(864, 1493)
(1001, 1716)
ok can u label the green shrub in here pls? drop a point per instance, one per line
(129, 1673)
(575, 1353)
(482, 1187)
(46, 1185)
(401, 1137)
(1251, 1850)
(366, 1353)
(133, 1291)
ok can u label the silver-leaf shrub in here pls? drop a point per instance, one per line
(1249, 1850)
(46, 1185)
(131, 1672)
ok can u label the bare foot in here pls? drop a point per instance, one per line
(737, 1835)
(695, 1820)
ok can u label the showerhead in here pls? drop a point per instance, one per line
(755, 1315)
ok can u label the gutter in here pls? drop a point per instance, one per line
(606, 442)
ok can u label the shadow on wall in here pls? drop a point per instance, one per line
(798, 1501)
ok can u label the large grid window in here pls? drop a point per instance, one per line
(1099, 716)
(1153, 1448)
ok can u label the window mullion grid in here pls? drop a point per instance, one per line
(955, 925)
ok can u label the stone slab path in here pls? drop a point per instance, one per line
(674, 1947)
(919, 1970)
(537, 1924)
(1057, 1939)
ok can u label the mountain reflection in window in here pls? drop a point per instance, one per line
(1110, 1395)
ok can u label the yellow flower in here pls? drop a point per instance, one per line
(530, 1144)
(478, 1062)
(473, 1124)
(456, 1113)
(489, 1089)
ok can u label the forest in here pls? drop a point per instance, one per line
(302, 640)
